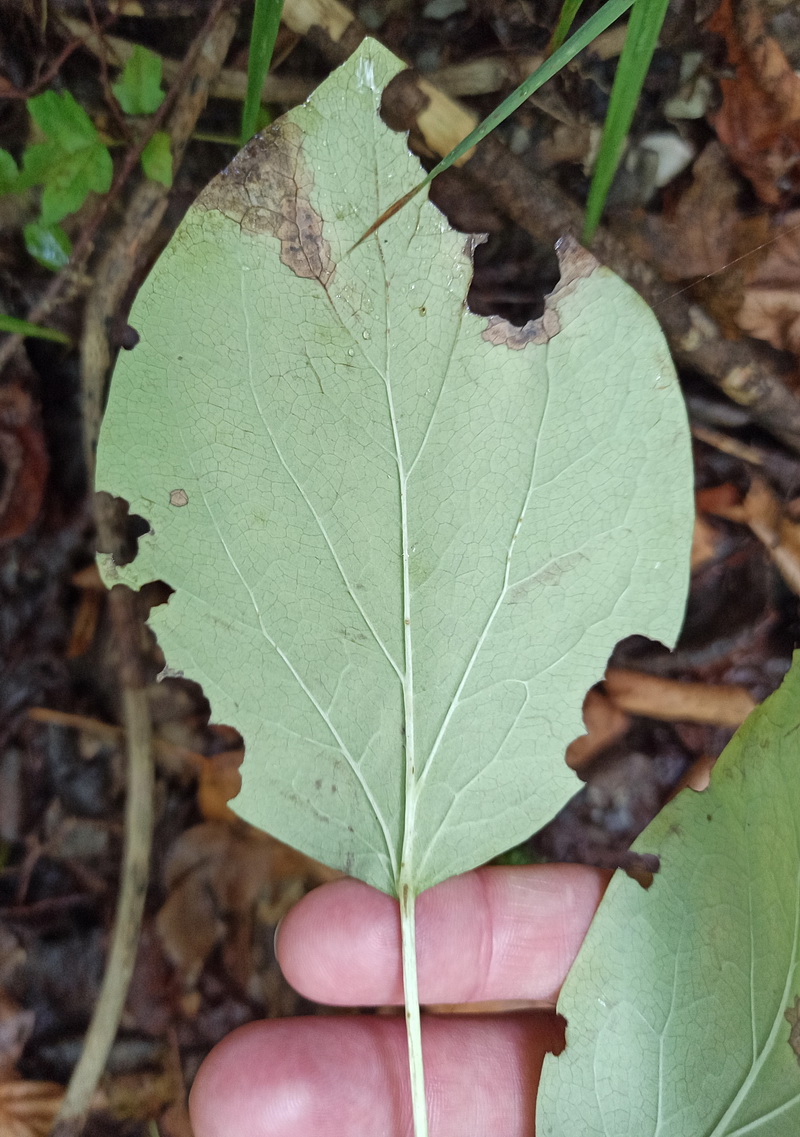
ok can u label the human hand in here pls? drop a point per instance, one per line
(493, 934)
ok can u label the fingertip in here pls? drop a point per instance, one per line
(498, 933)
(348, 1077)
(340, 944)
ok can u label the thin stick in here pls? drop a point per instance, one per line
(135, 871)
(229, 84)
(54, 293)
(161, 746)
(728, 445)
(675, 701)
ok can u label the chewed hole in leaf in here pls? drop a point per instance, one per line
(118, 530)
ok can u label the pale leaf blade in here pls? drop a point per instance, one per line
(327, 443)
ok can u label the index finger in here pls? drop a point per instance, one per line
(498, 933)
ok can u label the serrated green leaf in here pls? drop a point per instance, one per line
(70, 163)
(157, 159)
(403, 539)
(8, 172)
(138, 90)
(62, 119)
(39, 162)
(48, 244)
(682, 999)
(69, 181)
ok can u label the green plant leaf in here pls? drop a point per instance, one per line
(403, 539)
(48, 244)
(62, 119)
(138, 90)
(8, 172)
(70, 163)
(682, 1006)
(70, 179)
(16, 327)
(157, 158)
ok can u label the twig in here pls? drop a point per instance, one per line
(728, 445)
(766, 516)
(9, 92)
(118, 266)
(229, 84)
(135, 870)
(162, 747)
(135, 9)
(82, 249)
(675, 701)
(105, 82)
(749, 373)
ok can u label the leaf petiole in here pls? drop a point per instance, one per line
(411, 993)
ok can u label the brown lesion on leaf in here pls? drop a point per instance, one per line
(178, 498)
(500, 332)
(267, 189)
(792, 1016)
(576, 264)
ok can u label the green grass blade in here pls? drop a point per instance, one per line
(16, 327)
(266, 21)
(640, 43)
(596, 24)
(569, 10)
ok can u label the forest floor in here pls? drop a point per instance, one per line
(704, 217)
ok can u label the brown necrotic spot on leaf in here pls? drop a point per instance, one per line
(178, 497)
(267, 189)
(576, 263)
(499, 331)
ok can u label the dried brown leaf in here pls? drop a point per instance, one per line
(759, 120)
(16, 1025)
(23, 456)
(770, 308)
(28, 1109)
(216, 874)
(702, 235)
(604, 722)
(774, 524)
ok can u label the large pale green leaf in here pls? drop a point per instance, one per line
(403, 539)
(683, 1009)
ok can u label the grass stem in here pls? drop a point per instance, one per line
(266, 21)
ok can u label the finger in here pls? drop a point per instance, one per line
(493, 934)
(348, 1077)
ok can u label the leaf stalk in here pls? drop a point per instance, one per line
(413, 1026)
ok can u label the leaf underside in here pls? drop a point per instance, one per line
(683, 1003)
(403, 539)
